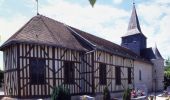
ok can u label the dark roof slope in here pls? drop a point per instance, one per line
(151, 53)
(43, 30)
(106, 45)
(134, 25)
(157, 53)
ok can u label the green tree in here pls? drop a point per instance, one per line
(167, 73)
(127, 94)
(92, 2)
(61, 93)
(167, 62)
(167, 67)
(1, 77)
(106, 94)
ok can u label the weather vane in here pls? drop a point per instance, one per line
(37, 7)
(133, 2)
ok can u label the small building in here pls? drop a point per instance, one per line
(46, 53)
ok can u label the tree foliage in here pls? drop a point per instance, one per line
(92, 2)
(61, 93)
(166, 80)
(167, 73)
(1, 77)
(127, 94)
(106, 94)
(167, 67)
(167, 62)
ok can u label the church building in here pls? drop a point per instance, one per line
(150, 73)
(45, 53)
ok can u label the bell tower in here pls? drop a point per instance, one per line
(134, 39)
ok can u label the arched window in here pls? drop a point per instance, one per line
(140, 75)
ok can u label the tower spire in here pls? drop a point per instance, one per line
(133, 2)
(156, 52)
(134, 25)
(134, 39)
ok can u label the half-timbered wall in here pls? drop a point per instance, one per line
(112, 61)
(55, 58)
(62, 55)
(86, 70)
(87, 74)
(10, 68)
(28, 52)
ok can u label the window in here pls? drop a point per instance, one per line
(102, 74)
(118, 75)
(140, 75)
(37, 71)
(69, 72)
(129, 76)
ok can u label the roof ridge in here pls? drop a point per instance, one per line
(51, 33)
(157, 53)
(117, 45)
(51, 19)
(95, 36)
(80, 36)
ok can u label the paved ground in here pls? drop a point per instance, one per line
(158, 97)
(1, 91)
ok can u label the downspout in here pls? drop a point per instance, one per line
(92, 59)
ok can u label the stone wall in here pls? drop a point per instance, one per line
(159, 74)
(146, 74)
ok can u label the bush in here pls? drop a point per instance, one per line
(60, 93)
(1, 77)
(166, 79)
(106, 94)
(127, 94)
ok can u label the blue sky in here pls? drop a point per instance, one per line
(108, 19)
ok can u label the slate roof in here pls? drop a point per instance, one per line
(151, 53)
(43, 30)
(134, 25)
(106, 45)
(157, 53)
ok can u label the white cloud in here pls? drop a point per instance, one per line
(111, 23)
(156, 17)
(150, 13)
(162, 1)
(103, 20)
(10, 26)
(1, 2)
(163, 36)
(117, 1)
